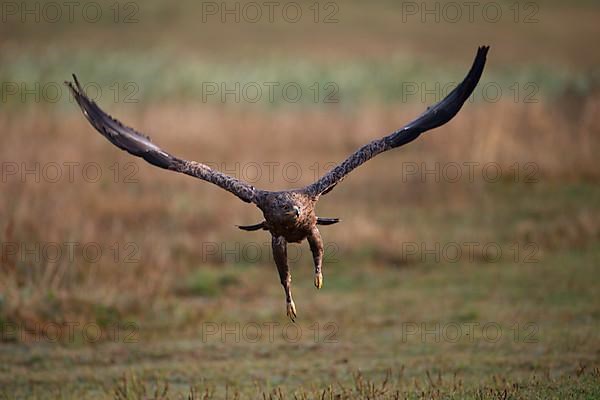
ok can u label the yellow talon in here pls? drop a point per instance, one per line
(291, 311)
(319, 280)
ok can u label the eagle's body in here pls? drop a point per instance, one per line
(289, 215)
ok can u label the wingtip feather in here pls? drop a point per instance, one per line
(482, 51)
(76, 81)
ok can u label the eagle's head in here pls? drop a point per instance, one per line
(287, 213)
(283, 209)
(293, 212)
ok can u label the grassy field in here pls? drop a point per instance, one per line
(470, 329)
(466, 265)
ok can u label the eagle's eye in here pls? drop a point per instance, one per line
(297, 211)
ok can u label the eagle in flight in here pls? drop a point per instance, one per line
(289, 214)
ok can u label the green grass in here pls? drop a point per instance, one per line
(209, 282)
(470, 329)
(130, 77)
(547, 315)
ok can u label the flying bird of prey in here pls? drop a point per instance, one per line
(289, 214)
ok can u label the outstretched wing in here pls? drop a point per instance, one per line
(435, 116)
(140, 145)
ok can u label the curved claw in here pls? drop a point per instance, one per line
(319, 280)
(291, 311)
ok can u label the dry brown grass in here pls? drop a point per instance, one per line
(391, 386)
(168, 218)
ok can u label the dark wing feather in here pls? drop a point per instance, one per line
(435, 116)
(140, 145)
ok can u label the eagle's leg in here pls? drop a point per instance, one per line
(316, 246)
(279, 245)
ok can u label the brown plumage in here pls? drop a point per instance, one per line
(289, 215)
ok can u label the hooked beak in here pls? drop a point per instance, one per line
(295, 212)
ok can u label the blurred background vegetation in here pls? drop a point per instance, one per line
(172, 259)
